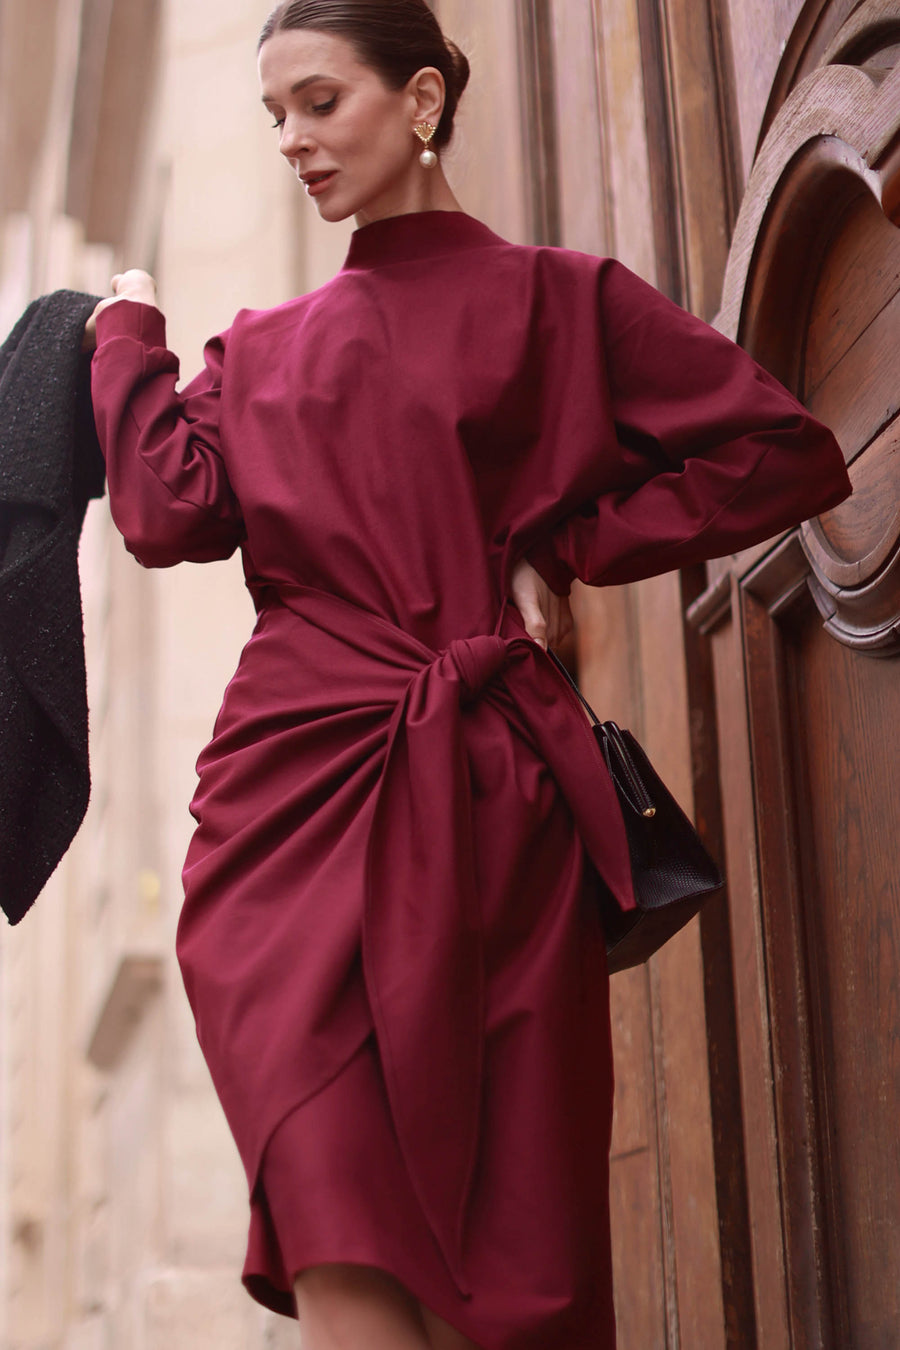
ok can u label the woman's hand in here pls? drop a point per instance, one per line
(131, 285)
(546, 615)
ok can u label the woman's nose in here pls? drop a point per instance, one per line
(296, 142)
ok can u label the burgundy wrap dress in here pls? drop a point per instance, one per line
(389, 936)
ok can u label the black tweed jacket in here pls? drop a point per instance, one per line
(50, 465)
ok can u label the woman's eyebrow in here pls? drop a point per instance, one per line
(295, 88)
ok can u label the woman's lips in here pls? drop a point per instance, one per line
(318, 183)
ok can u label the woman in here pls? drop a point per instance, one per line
(389, 938)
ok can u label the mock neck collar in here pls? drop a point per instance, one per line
(420, 234)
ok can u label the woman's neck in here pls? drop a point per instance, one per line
(428, 190)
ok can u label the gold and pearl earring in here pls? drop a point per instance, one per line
(425, 131)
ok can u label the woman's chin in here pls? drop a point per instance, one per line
(333, 212)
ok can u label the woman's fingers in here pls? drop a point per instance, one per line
(537, 626)
(527, 588)
(132, 285)
(546, 616)
(89, 339)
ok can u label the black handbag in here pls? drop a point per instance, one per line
(670, 868)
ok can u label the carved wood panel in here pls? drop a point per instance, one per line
(813, 291)
(823, 724)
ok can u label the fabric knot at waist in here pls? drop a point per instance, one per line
(423, 944)
(478, 660)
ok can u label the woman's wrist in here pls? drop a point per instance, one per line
(138, 320)
(135, 285)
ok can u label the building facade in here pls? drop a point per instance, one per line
(744, 157)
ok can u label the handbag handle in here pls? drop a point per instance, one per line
(619, 761)
(595, 720)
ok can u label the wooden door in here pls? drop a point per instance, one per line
(613, 131)
(755, 1169)
(806, 635)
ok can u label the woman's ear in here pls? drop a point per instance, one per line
(429, 93)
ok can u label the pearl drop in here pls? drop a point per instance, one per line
(428, 159)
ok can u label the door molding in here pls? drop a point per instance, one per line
(832, 153)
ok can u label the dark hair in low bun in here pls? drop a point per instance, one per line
(396, 38)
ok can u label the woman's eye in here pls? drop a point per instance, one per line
(278, 123)
(325, 107)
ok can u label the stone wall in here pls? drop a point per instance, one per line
(131, 134)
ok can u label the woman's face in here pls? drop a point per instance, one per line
(347, 136)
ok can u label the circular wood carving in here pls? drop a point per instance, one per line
(812, 291)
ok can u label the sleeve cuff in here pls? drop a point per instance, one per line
(543, 559)
(130, 318)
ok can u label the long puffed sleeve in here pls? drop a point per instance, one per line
(168, 488)
(715, 454)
